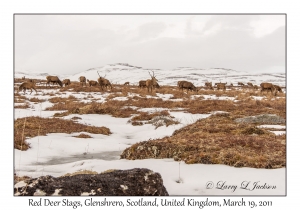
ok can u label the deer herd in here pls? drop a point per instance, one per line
(150, 84)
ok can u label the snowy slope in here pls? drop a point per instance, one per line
(120, 73)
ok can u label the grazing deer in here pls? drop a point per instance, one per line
(268, 87)
(53, 80)
(250, 84)
(209, 85)
(150, 83)
(26, 86)
(142, 83)
(278, 88)
(92, 83)
(82, 80)
(126, 83)
(240, 83)
(179, 83)
(66, 82)
(187, 85)
(255, 87)
(221, 86)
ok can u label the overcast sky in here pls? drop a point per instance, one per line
(68, 44)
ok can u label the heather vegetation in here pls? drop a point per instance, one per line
(228, 138)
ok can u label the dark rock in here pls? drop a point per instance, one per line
(133, 182)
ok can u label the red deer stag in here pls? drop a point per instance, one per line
(82, 80)
(150, 83)
(268, 87)
(53, 80)
(104, 82)
(26, 86)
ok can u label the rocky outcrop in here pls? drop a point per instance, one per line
(133, 182)
(262, 119)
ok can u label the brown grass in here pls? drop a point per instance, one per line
(35, 126)
(22, 106)
(82, 135)
(244, 107)
(216, 140)
(157, 119)
(146, 116)
(36, 100)
(80, 172)
(114, 108)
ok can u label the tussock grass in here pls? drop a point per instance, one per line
(36, 100)
(35, 126)
(146, 116)
(114, 108)
(61, 100)
(22, 106)
(84, 136)
(216, 140)
(245, 106)
(157, 119)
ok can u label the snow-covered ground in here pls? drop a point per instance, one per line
(59, 153)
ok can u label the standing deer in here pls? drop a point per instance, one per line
(82, 80)
(104, 82)
(150, 83)
(26, 86)
(126, 83)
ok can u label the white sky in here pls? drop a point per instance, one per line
(68, 44)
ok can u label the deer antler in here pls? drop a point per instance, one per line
(152, 74)
(98, 74)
